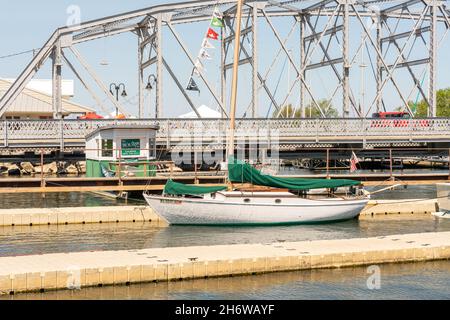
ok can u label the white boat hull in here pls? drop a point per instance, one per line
(441, 214)
(443, 196)
(225, 211)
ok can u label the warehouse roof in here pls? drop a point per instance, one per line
(32, 101)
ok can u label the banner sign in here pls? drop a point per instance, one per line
(131, 147)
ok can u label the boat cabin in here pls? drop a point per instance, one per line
(114, 151)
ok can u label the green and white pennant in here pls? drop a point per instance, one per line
(217, 22)
(217, 19)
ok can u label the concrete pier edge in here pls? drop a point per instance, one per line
(77, 215)
(89, 269)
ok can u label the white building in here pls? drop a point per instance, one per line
(204, 111)
(45, 86)
(35, 101)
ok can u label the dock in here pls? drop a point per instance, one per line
(87, 269)
(403, 207)
(78, 215)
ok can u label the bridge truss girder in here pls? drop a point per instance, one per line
(148, 24)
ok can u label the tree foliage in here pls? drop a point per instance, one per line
(442, 105)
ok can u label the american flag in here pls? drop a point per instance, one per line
(353, 161)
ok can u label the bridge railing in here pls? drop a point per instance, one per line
(57, 131)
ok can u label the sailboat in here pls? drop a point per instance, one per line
(285, 200)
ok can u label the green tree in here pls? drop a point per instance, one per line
(311, 111)
(442, 105)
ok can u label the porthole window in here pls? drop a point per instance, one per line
(277, 200)
(247, 200)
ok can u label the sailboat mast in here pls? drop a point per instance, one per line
(234, 84)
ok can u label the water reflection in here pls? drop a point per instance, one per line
(398, 281)
(198, 235)
(23, 240)
(58, 200)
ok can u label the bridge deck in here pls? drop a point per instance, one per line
(211, 133)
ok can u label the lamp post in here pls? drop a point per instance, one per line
(117, 88)
(152, 83)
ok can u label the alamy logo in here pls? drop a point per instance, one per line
(74, 278)
(74, 18)
(374, 280)
(252, 145)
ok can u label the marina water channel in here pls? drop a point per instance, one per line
(428, 280)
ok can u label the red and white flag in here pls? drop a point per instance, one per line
(212, 34)
(353, 162)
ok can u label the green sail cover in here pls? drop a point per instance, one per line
(241, 172)
(176, 189)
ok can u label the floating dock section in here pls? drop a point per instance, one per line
(77, 270)
(77, 215)
(404, 207)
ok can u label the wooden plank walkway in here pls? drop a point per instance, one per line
(68, 270)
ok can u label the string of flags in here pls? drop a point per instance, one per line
(211, 34)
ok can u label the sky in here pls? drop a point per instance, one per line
(26, 25)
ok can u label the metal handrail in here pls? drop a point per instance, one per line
(38, 132)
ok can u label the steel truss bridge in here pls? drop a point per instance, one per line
(210, 134)
(391, 32)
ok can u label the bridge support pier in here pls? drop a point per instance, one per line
(56, 81)
(433, 50)
(379, 67)
(302, 66)
(159, 67)
(346, 63)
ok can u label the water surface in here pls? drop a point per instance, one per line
(430, 280)
(419, 281)
(25, 240)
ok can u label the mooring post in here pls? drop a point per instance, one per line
(119, 167)
(328, 163)
(390, 163)
(5, 133)
(42, 168)
(42, 173)
(61, 135)
(195, 167)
